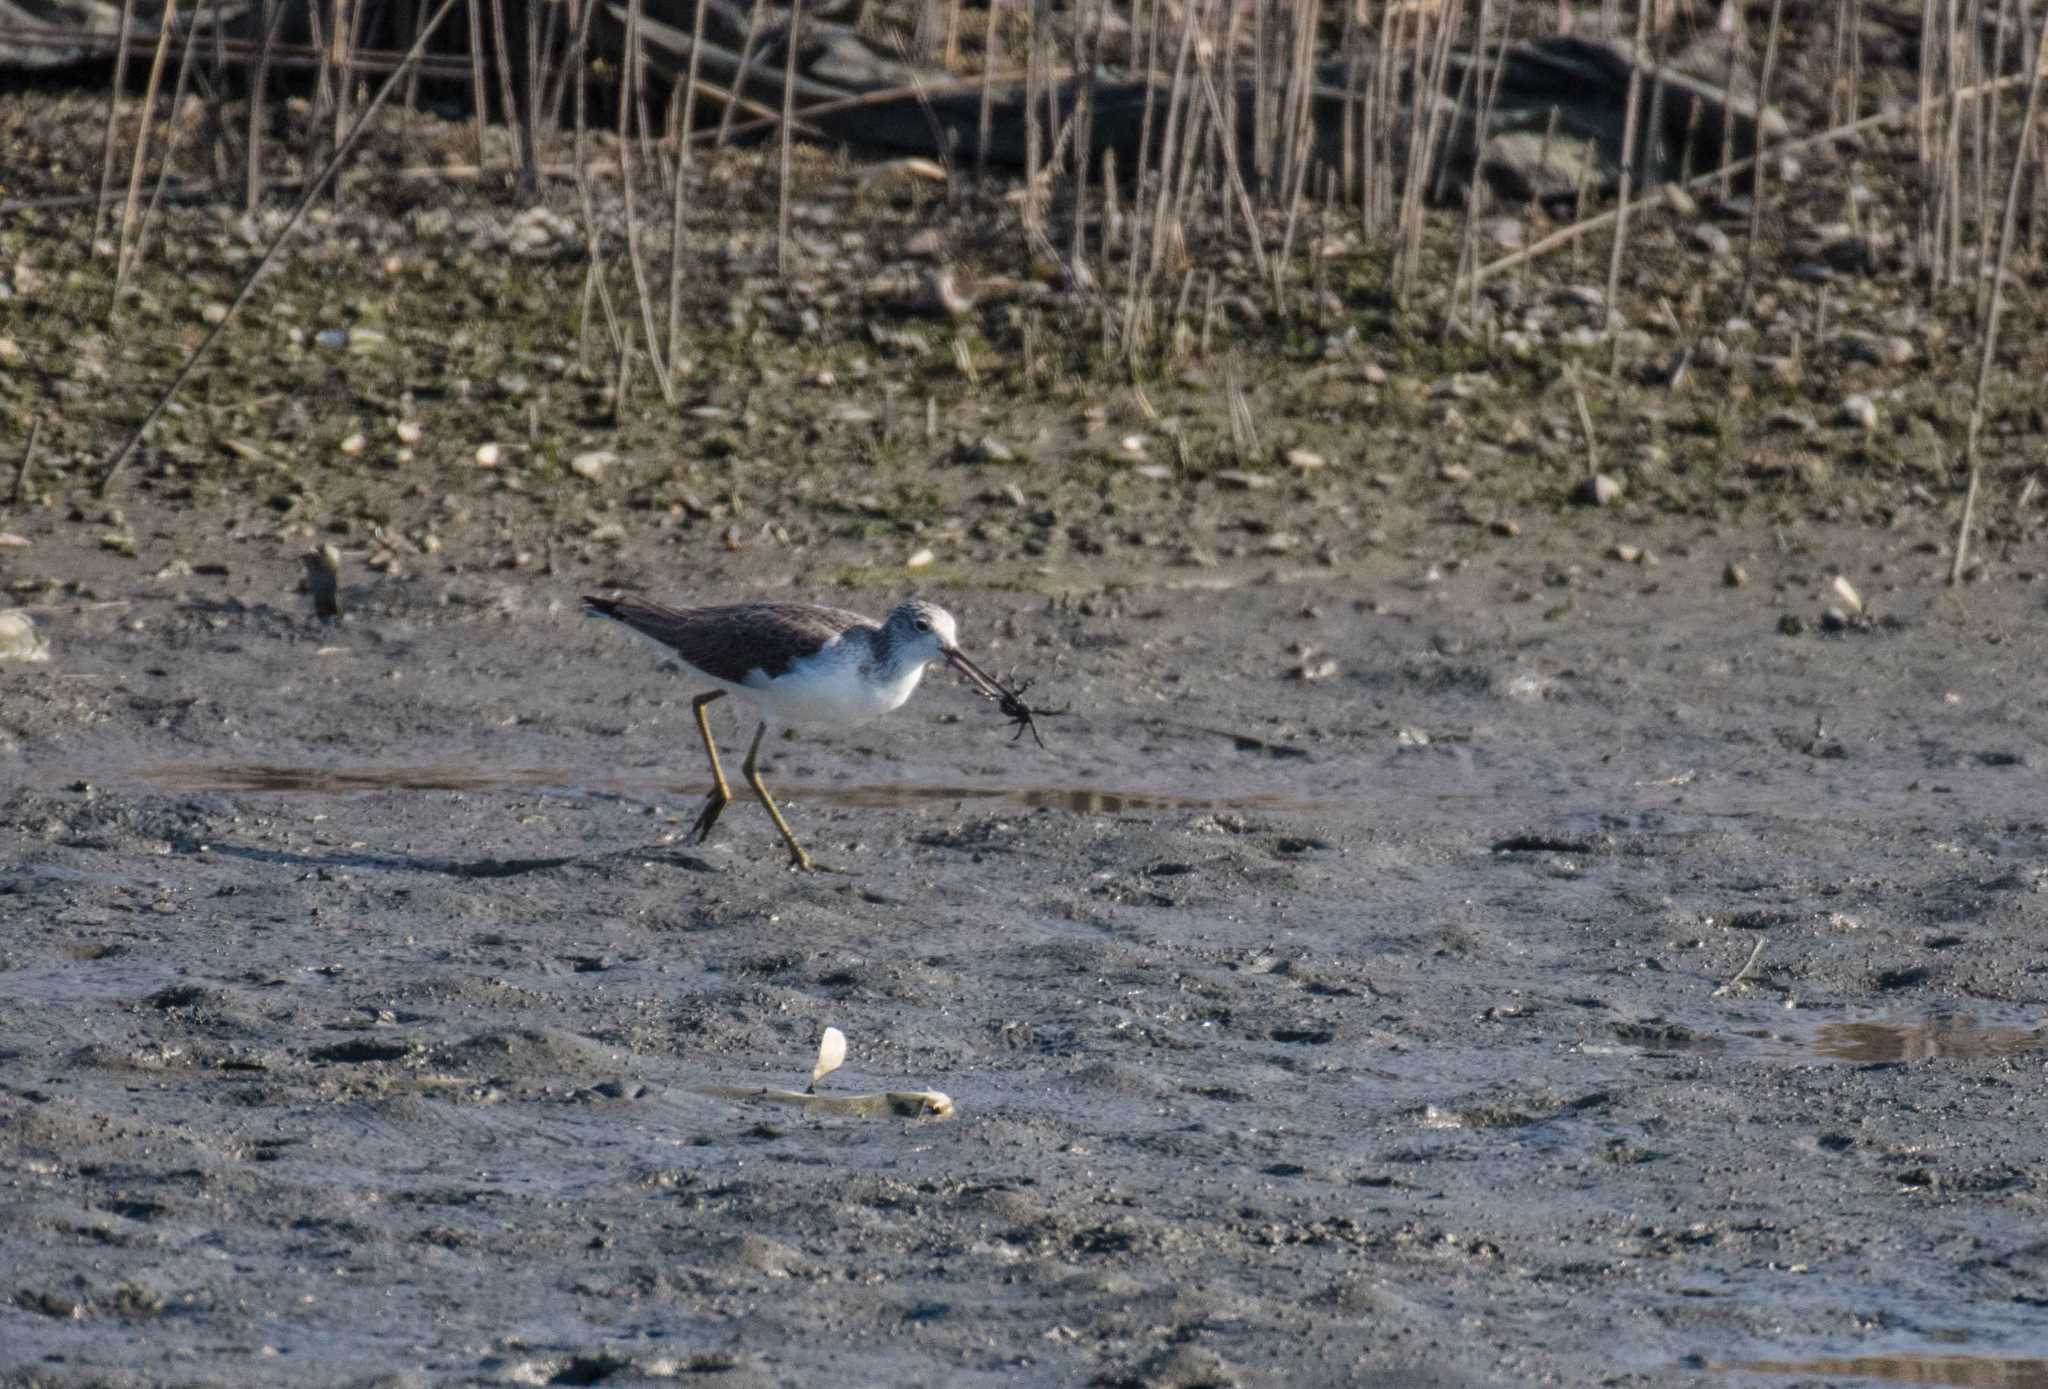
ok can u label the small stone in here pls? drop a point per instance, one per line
(1884, 351)
(989, 449)
(1311, 671)
(1505, 528)
(928, 244)
(1244, 481)
(323, 580)
(1705, 236)
(1508, 233)
(1627, 554)
(1792, 625)
(10, 541)
(355, 443)
(591, 466)
(489, 455)
(920, 559)
(1859, 411)
(1303, 459)
(11, 354)
(1734, 576)
(1598, 490)
(409, 431)
(941, 293)
(19, 640)
(1846, 591)
(1457, 474)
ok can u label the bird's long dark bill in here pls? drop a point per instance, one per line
(981, 678)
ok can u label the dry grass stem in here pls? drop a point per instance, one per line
(242, 295)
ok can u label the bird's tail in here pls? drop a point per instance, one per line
(601, 607)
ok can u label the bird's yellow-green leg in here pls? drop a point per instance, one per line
(797, 856)
(721, 794)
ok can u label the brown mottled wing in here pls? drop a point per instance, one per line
(730, 643)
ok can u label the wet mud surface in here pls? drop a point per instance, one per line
(1632, 995)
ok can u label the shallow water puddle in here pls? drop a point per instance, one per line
(1908, 1367)
(1941, 1034)
(351, 781)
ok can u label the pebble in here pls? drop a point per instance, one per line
(941, 293)
(489, 455)
(1303, 459)
(1860, 411)
(19, 640)
(409, 431)
(591, 466)
(354, 443)
(920, 559)
(1508, 233)
(1598, 490)
(10, 541)
(1846, 591)
(1705, 236)
(1885, 351)
(989, 449)
(1734, 576)
(1239, 478)
(323, 580)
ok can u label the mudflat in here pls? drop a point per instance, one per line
(1389, 975)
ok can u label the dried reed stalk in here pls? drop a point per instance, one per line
(632, 75)
(1988, 343)
(99, 212)
(1756, 178)
(685, 121)
(313, 190)
(782, 165)
(130, 208)
(1637, 57)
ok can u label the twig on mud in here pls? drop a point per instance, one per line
(28, 458)
(1741, 976)
(1586, 425)
(313, 191)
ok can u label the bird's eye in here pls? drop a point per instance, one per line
(924, 624)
